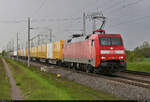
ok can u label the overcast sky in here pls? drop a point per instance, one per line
(130, 18)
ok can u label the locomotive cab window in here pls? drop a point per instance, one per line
(110, 41)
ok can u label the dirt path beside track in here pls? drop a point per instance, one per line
(15, 91)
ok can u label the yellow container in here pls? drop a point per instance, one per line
(19, 53)
(39, 51)
(36, 51)
(31, 52)
(26, 50)
(42, 51)
(57, 49)
(22, 52)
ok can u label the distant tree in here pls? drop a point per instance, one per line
(137, 49)
(145, 52)
(145, 49)
(145, 45)
(133, 56)
(4, 53)
(139, 53)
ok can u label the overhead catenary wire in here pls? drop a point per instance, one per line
(125, 15)
(124, 6)
(112, 6)
(38, 9)
(131, 20)
(40, 20)
(59, 20)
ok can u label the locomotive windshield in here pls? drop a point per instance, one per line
(110, 41)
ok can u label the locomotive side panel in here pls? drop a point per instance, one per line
(79, 52)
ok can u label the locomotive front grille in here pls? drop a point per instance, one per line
(113, 63)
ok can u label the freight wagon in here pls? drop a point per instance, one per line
(50, 53)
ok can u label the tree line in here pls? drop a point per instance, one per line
(139, 53)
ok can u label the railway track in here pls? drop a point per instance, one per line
(116, 78)
(137, 72)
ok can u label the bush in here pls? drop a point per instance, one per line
(139, 53)
(133, 56)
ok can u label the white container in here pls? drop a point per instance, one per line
(49, 51)
(15, 53)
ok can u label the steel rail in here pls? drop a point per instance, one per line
(137, 72)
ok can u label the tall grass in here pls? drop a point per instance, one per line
(39, 85)
(5, 92)
(143, 66)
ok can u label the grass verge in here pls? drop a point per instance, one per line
(5, 91)
(38, 85)
(143, 66)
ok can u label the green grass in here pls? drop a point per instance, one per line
(143, 66)
(39, 85)
(5, 92)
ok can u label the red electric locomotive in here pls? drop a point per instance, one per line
(97, 52)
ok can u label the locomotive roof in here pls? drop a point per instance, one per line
(82, 38)
(77, 39)
(109, 35)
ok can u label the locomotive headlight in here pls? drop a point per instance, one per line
(121, 57)
(103, 57)
(105, 51)
(119, 51)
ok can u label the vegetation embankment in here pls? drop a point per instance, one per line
(143, 66)
(139, 58)
(5, 90)
(39, 85)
